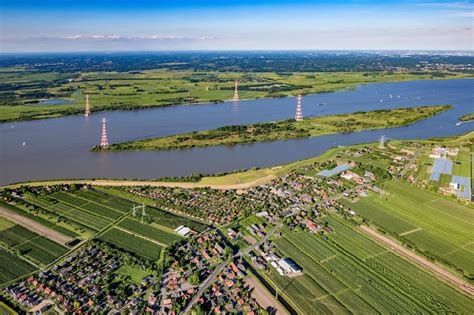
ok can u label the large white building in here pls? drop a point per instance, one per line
(289, 266)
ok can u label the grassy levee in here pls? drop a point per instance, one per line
(284, 129)
(156, 88)
(238, 180)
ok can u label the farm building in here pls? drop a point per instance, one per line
(182, 230)
(289, 266)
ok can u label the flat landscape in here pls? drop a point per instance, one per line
(287, 129)
(351, 273)
(237, 157)
(415, 216)
(24, 89)
(285, 181)
(186, 238)
(68, 217)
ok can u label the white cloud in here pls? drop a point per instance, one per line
(131, 38)
(449, 5)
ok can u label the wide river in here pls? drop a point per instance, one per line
(59, 148)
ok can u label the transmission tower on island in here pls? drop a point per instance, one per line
(236, 90)
(299, 113)
(87, 111)
(382, 142)
(103, 141)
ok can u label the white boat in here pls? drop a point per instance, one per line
(24, 143)
(459, 123)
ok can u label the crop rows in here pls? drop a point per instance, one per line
(302, 298)
(371, 211)
(61, 196)
(437, 226)
(16, 235)
(131, 243)
(41, 250)
(439, 297)
(149, 231)
(381, 282)
(87, 219)
(101, 211)
(12, 267)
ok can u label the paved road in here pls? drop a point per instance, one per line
(204, 286)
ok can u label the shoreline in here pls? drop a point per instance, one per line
(309, 128)
(136, 107)
(232, 180)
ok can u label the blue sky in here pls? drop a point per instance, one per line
(87, 25)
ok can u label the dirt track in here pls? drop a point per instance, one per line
(104, 182)
(421, 261)
(263, 297)
(34, 226)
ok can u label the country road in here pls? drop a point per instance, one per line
(204, 286)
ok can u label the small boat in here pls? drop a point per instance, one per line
(459, 123)
(24, 143)
(391, 96)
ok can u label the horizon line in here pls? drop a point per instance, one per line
(238, 50)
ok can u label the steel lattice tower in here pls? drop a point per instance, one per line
(87, 112)
(236, 92)
(299, 113)
(103, 141)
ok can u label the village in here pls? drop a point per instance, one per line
(207, 269)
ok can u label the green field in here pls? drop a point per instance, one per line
(131, 243)
(30, 245)
(152, 88)
(462, 163)
(441, 228)
(41, 249)
(349, 273)
(156, 216)
(147, 230)
(135, 274)
(12, 267)
(284, 129)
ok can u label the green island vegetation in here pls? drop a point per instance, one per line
(467, 117)
(23, 90)
(284, 129)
